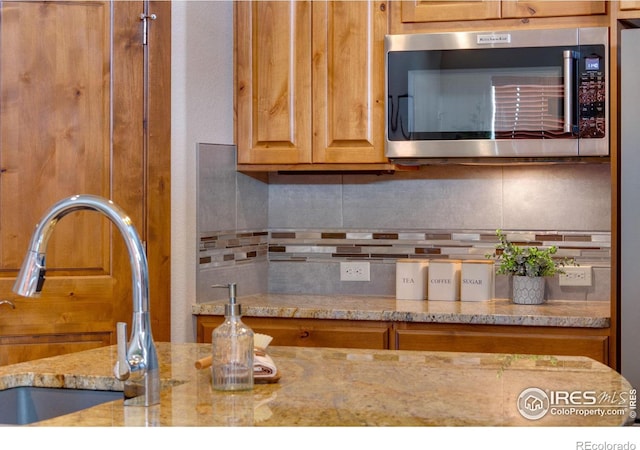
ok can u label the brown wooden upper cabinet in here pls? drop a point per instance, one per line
(310, 82)
(452, 10)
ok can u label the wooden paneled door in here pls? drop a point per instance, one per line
(77, 115)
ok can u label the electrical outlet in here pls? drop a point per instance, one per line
(576, 276)
(355, 271)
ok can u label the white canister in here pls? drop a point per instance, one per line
(411, 279)
(477, 280)
(444, 279)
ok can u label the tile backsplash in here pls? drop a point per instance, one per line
(307, 261)
(288, 233)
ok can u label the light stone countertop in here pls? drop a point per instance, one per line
(347, 387)
(556, 313)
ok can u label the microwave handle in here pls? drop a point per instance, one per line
(568, 89)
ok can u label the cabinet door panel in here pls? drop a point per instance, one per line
(348, 82)
(523, 8)
(273, 82)
(54, 80)
(443, 11)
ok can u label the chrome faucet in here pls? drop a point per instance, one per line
(138, 365)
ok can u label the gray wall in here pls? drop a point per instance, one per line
(629, 212)
(229, 201)
(201, 111)
(565, 197)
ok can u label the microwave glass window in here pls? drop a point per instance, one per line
(484, 102)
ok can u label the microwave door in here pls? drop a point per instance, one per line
(496, 95)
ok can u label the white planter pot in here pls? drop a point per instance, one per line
(528, 290)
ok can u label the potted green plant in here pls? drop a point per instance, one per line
(529, 266)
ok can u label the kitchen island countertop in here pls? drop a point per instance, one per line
(346, 387)
(554, 313)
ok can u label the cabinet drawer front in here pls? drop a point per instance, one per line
(624, 5)
(15, 349)
(595, 347)
(439, 11)
(310, 336)
(309, 332)
(519, 8)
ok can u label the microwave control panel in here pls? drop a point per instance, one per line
(591, 94)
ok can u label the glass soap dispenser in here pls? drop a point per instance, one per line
(232, 349)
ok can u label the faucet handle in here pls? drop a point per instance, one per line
(8, 302)
(121, 370)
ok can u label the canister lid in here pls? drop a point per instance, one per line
(445, 261)
(478, 261)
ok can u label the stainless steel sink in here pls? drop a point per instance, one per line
(27, 404)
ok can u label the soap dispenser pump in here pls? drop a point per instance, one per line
(232, 349)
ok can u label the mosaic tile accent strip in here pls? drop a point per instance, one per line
(223, 249)
(226, 249)
(387, 246)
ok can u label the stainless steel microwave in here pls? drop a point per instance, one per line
(501, 94)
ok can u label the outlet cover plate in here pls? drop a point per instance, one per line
(576, 276)
(355, 271)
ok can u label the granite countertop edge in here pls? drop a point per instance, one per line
(555, 313)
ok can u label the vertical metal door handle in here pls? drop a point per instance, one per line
(567, 56)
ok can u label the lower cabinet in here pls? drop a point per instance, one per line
(591, 342)
(309, 332)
